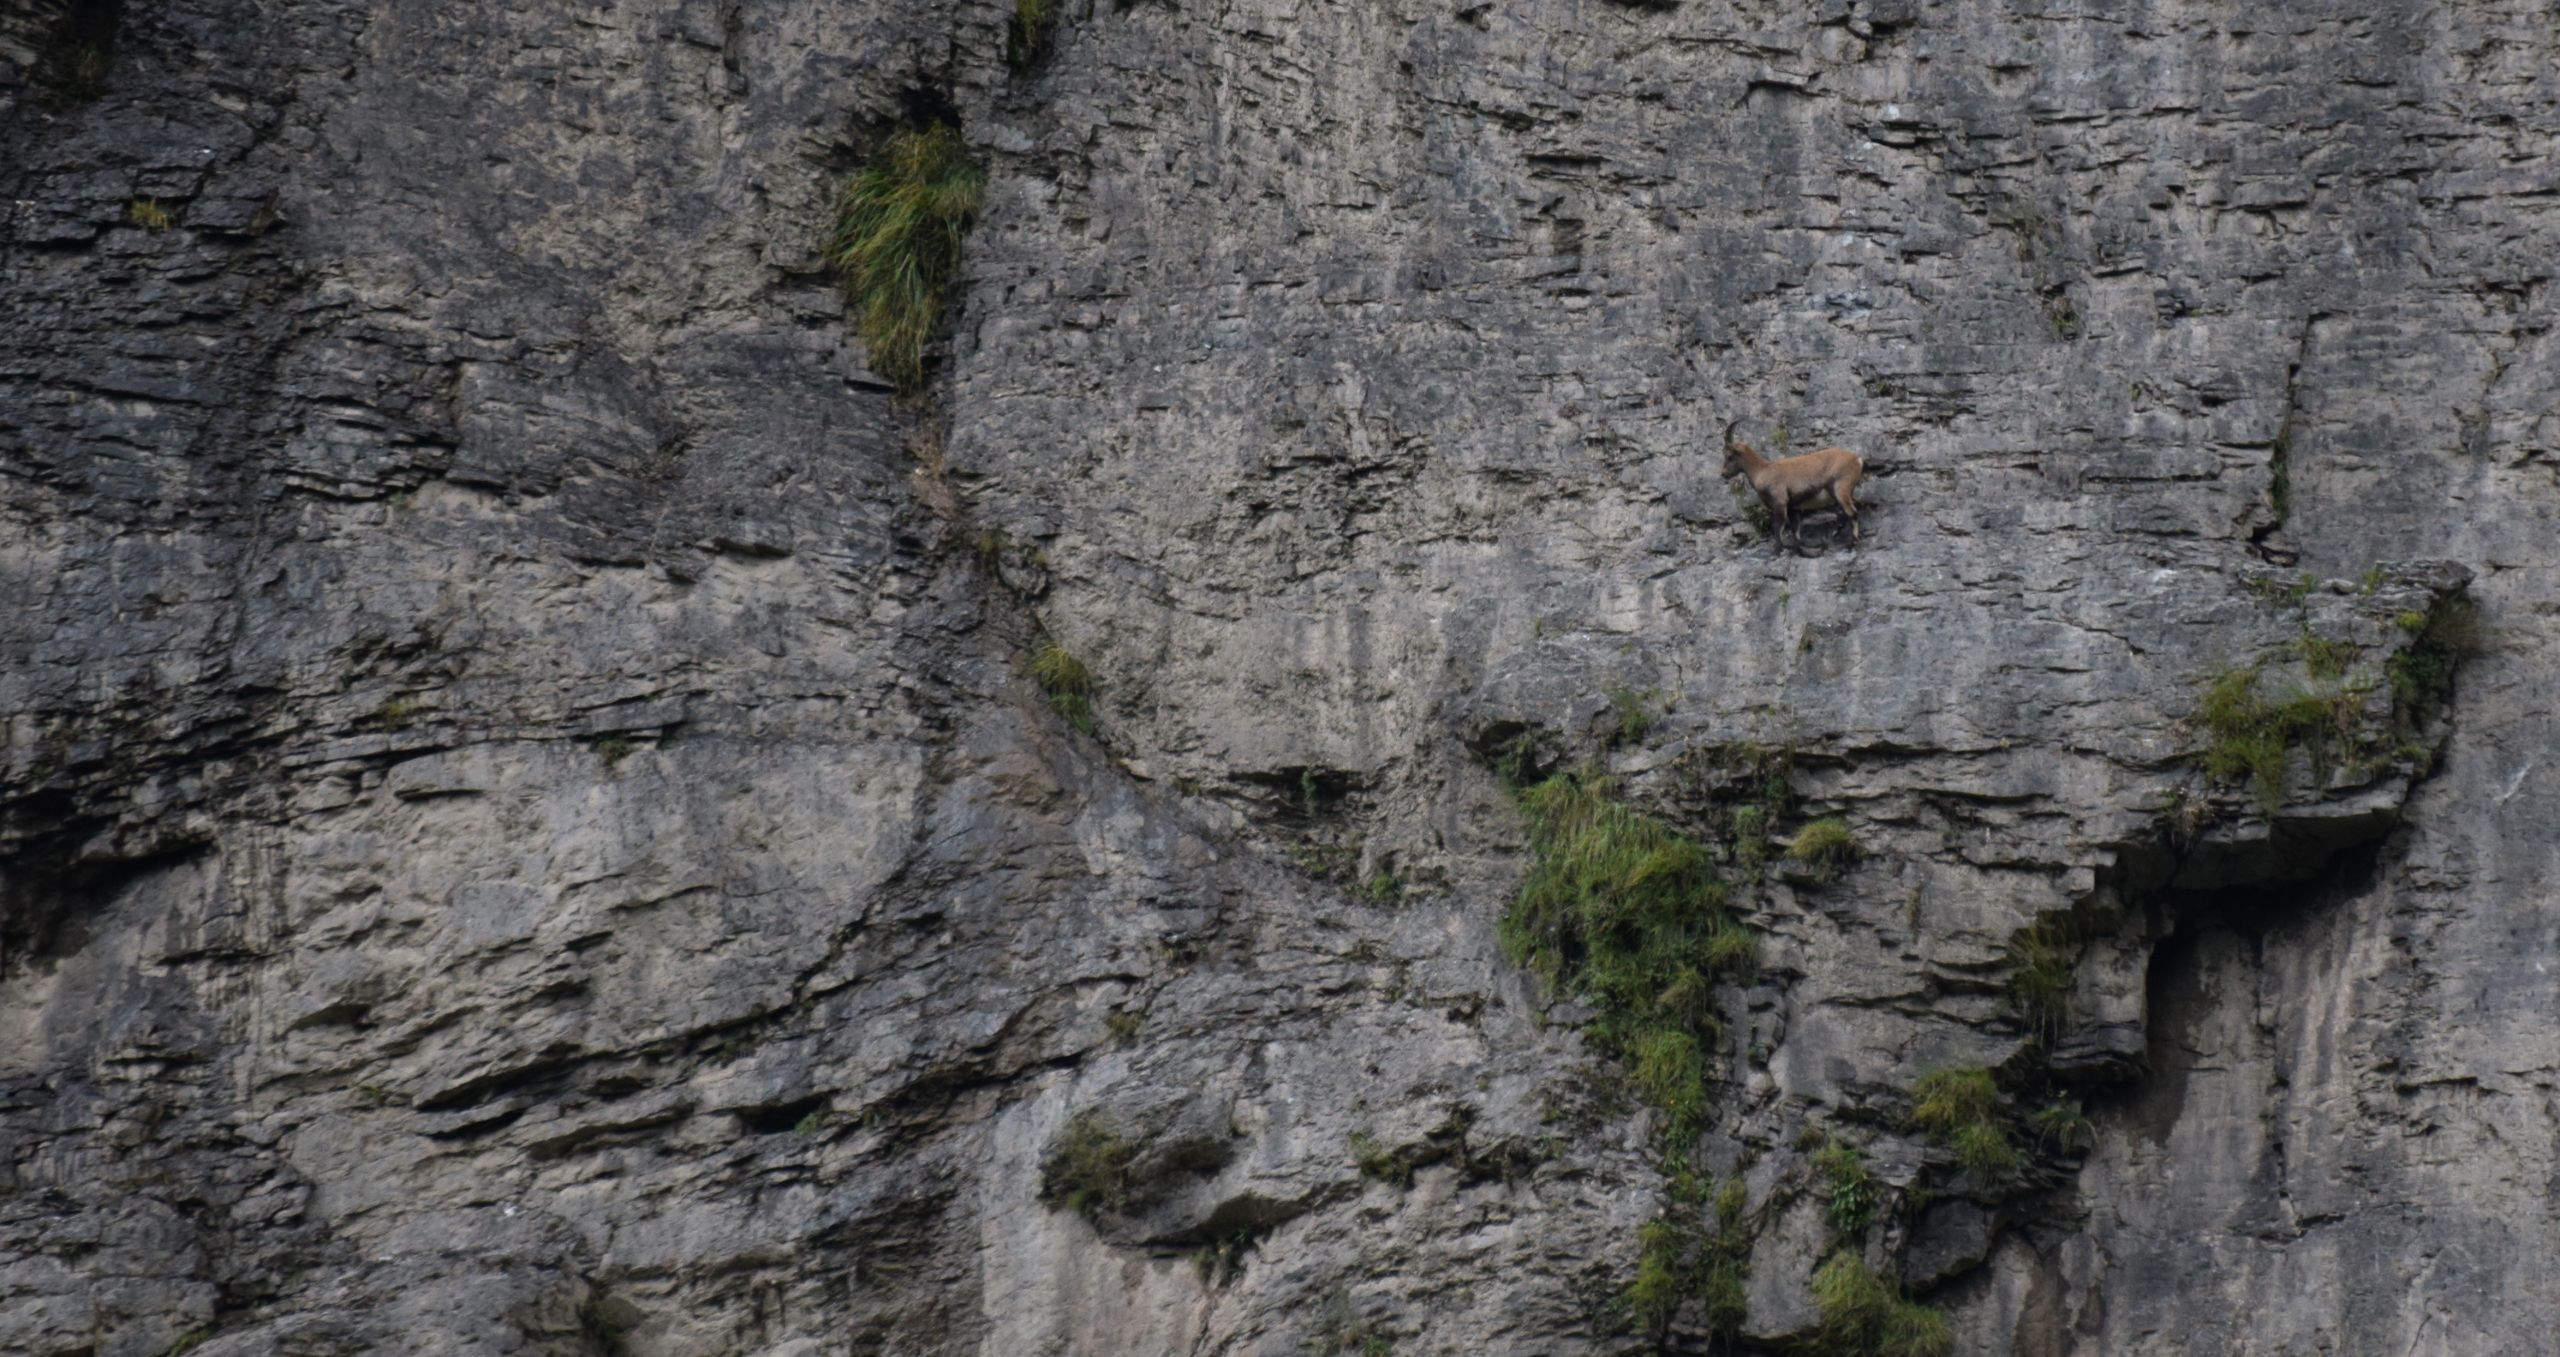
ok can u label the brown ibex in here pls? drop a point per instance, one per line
(1807, 478)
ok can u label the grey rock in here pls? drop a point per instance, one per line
(524, 828)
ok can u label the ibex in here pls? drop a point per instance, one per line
(1803, 479)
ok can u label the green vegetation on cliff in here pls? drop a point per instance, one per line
(1087, 1168)
(1963, 1110)
(1863, 1315)
(1629, 914)
(896, 246)
(1067, 682)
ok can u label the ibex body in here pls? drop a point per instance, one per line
(1806, 479)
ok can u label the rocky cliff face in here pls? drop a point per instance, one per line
(525, 826)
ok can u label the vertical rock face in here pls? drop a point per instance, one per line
(525, 825)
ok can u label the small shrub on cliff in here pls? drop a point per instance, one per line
(1826, 846)
(1034, 26)
(1662, 1280)
(72, 57)
(1848, 1189)
(2060, 1125)
(1628, 714)
(1629, 913)
(1962, 1110)
(1684, 1255)
(896, 244)
(1863, 1315)
(2042, 958)
(1342, 1331)
(1067, 682)
(1087, 1170)
(2422, 675)
(2250, 735)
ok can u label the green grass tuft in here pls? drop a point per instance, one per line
(1034, 27)
(1684, 1255)
(1826, 845)
(1671, 1072)
(2249, 736)
(896, 246)
(613, 748)
(1727, 1259)
(1849, 1190)
(1087, 1169)
(1634, 722)
(1863, 1315)
(2324, 658)
(2042, 959)
(69, 75)
(1628, 913)
(2422, 675)
(2060, 1125)
(1662, 1275)
(1962, 1109)
(1376, 1159)
(1985, 1151)
(1342, 1331)
(1067, 682)
(1750, 835)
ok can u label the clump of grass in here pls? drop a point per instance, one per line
(1067, 682)
(2061, 1125)
(1732, 949)
(1985, 1151)
(1727, 1265)
(70, 74)
(1629, 913)
(2324, 658)
(1962, 1110)
(989, 549)
(1342, 1331)
(1087, 1170)
(1826, 846)
(1680, 1255)
(613, 748)
(1376, 1159)
(1671, 1072)
(1383, 888)
(2422, 675)
(2042, 958)
(1662, 1280)
(148, 214)
(1863, 1315)
(1626, 707)
(896, 245)
(1849, 1190)
(1034, 26)
(1750, 835)
(2251, 735)
(1123, 1023)
(2281, 592)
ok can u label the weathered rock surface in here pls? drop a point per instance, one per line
(524, 829)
